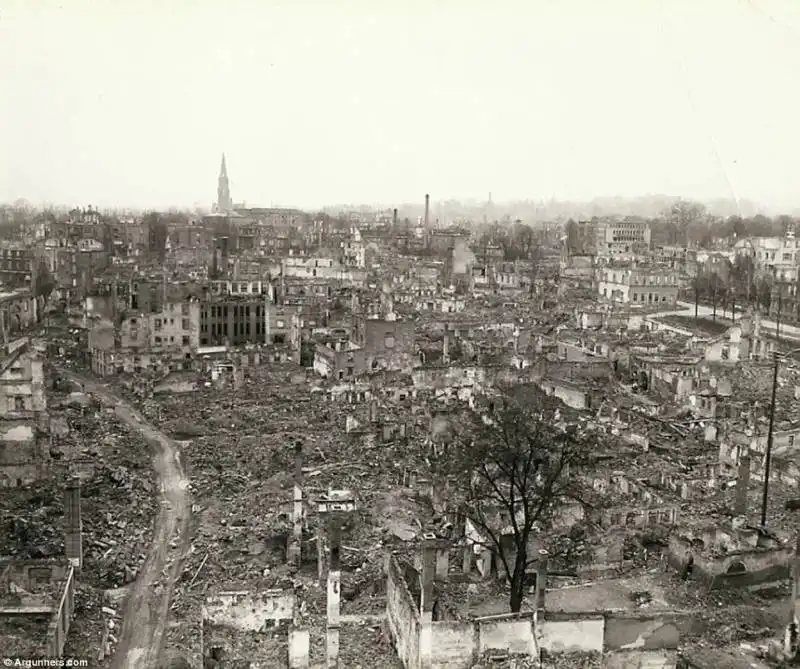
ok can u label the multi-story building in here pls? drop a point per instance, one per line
(387, 344)
(770, 252)
(73, 264)
(683, 260)
(16, 264)
(638, 285)
(338, 358)
(354, 251)
(141, 340)
(228, 320)
(19, 310)
(176, 326)
(623, 238)
(322, 268)
(24, 449)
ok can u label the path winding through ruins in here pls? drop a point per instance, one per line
(147, 605)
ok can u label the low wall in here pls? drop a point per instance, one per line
(59, 625)
(613, 631)
(573, 634)
(514, 634)
(249, 611)
(642, 632)
(457, 645)
(42, 604)
(741, 569)
(629, 636)
(453, 645)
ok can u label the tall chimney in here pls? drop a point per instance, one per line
(427, 208)
(446, 348)
(73, 534)
(742, 485)
(394, 219)
(334, 592)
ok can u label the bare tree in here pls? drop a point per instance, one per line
(684, 215)
(509, 472)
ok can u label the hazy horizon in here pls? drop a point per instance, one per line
(123, 104)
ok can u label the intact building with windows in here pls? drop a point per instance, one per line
(623, 238)
(229, 320)
(638, 285)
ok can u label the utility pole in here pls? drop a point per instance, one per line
(778, 318)
(768, 454)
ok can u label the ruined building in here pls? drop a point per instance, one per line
(24, 448)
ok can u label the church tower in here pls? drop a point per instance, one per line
(224, 202)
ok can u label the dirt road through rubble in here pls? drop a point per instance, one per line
(147, 606)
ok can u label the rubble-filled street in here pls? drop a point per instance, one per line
(118, 509)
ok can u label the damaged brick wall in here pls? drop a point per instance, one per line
(248, 610)
(402, 616)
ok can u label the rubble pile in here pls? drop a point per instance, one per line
(117, 503)
(89, 632)
(117, 510)
(587, 660)
(239, 454)
(366, 646)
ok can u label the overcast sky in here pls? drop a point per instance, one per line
(132, 102)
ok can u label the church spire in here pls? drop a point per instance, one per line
(224, 201)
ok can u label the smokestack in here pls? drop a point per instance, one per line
(73, 535)
(446, 349)
(427, 208)
(394, 218)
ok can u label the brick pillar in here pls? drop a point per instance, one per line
(427, 575)
(73, 531)
(296, 539)
(742, 485)
(334, 593)
(541, 579)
